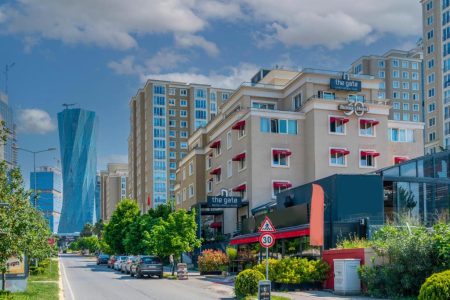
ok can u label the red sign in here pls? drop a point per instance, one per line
(267, 226)
(266, 240)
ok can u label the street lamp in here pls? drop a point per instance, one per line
(34, 166)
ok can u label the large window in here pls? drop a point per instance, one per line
(338, 157)
(263, 105)
(281, 126)
(337, 124)
(367, 127)
(368, 158)
(401, 135)
(280, 157)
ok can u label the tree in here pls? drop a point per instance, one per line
(98, 228)
(115, 231)
(23, 229)
(175, 235)
(90, 243)
(87, 230)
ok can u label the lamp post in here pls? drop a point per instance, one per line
(34, 167)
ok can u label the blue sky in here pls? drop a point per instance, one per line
(97, 53)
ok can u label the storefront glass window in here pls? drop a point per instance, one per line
(408, 170)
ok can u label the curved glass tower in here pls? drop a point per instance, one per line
(78, 143)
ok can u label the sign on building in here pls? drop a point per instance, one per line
(354, 107)
(224, 201)
(345, 85)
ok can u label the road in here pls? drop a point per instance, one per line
(83, 280)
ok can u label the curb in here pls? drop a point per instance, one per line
(60, 283)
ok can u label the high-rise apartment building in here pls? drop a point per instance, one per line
(78, 143)
(8, 151)
(436, 46)
(48, 184)
(98, 198)
(400, 74)
(113, 188)
(163, 115)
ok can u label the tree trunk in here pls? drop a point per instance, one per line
(3, 281)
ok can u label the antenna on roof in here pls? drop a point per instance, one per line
(67, 105)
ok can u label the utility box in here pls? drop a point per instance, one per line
(346, 279)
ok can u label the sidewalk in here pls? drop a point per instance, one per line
(322, 295)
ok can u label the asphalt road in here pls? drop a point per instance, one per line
(84, 280)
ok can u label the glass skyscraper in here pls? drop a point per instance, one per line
(78, 143)
(8, 151)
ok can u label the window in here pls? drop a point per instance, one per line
(395, 63)
(415, 75)
(263, 105)
(183, 113)
(173, 155)
(296, 101)
(356, 98)
(209, 161)
(367, 127)
(367, 158)
(159, 89)
(225, 96)
(432, 136)
(172, 133)
(431, 93)
(171, 112)
(430, 34)
(357, 69)
(191, 168)
(172, 123)
(431, 77)
(229, 168)
(241, 164)
(445, 15)
(183, 103)
(415, 65)
(381, 74)
(381, 63)
(429, 5)
(416, 118)
(241, 132)
(280, 157)
(415, 86)
(338, 157)
(183, 92)
(397, 116)
(229, 140)
(278, 126)
(173, 165)
(382, 85)
(183, 134)
(381, 95)
(415, 107)
(172, 144)
(327, 95)
(405, 75)
(431, 107)
(395, 95)
(191, 190)
(401, 135)
(430, 49)
(405, 85)
(405, 117)
(280, 186)
(405, 106)
(431, 122)
(172, 91)
(396, 105)
(159, 144)
(159, 111)
(159, 132)
(337, 124)
(183, 145)
(405, 64)
(183, 124)
(431, 63)
(218, 150)
(395, 74)
(184, 174)
(209, 186)
(415, 96)
(171, 102)
(396, 84)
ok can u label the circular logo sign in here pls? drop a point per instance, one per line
(267, 239)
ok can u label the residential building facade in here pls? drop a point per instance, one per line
(48, 184)
(289, 128)
(163, 115)
(78, 144)
(8, 151)
(400, 74)
(113, 188)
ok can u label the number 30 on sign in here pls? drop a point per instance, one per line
(266, 240)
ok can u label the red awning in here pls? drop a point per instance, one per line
(215, 144)
(371, 122)
(399, 159)
(342, 119)
(370, 153)
(240, 188)
(216, 171)
(282, 184)
(216, 225)
(282, 234)
(339, 151)
(282, 152)
(239, 125)
(239, 157)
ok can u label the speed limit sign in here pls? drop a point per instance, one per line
(267, 239)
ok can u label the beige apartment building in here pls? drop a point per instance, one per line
(436, 45)
(113, 188)
(285, 129)
(163, 115)
(400, 74)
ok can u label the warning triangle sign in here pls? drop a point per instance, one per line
(267, 226)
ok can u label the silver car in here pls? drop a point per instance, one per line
(118, 263)
(126, 265)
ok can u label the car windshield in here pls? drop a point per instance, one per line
(123, 258)
(151, 260)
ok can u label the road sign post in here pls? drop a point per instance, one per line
(266, 240)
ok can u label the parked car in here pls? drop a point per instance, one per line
(147, 265)
(102, 259)
(127, 264)
(111, 261)
(118, 263)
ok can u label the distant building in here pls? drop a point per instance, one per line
(49, 194)
(98, 198)
(113, 188)
(78, 143)
(8, 151)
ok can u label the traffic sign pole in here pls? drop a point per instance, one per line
(267, 263)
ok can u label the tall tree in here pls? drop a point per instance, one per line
(87, 230)
(98, 228)
(126, 213)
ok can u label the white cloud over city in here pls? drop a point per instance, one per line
(35, 121)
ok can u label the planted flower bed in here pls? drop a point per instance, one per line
(212, 262)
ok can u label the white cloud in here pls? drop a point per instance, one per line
(124, 67)
(35, 120)
(190, 40)
(231, 78)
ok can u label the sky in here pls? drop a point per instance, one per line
(98, 53)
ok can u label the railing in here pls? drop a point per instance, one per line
(335, 73)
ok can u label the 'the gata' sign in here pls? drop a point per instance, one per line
(345, 84)
(224, 201)
(354, 107)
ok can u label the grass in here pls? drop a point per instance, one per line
(38, 288)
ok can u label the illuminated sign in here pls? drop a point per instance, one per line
(345, 85)
(224, 201)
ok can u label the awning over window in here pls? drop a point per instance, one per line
(216, 171)
(342, 119)
(282, 184)
(400, 159)
(339, 151)
(239, 157)
(239, 125)
(370, 122)
(370, 153)
(215, 144)
(216, 225)
(240, 188)
(283, 233)
(281, 152)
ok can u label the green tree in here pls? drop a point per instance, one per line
(126, 213)
(98, 228)
(23, 229)
(90, 243)
(88, 229)
(175, 235)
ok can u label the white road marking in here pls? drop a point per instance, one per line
(67, 281)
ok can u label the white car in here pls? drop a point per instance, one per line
(119, 261)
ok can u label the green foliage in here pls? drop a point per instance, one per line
(414, 253)
(436, 287)
(115, 231)
(90, 243)
(98, 228)
(353, 242)
(232, 253)
(87, 230)
(212, 260)
(246, 283)
(295, 270)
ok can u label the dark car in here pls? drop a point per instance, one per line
(111, 261)
(102, 259)
(147, 265)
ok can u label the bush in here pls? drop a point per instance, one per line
(231, 253)
(273, 268)
(246, 283)
(436, 287)
(212, 260)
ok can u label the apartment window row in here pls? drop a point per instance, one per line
(337, 125)
(173, 123)
(280, 126)
(338, 157)
(405, 117)
(401, 135)
(173, 92)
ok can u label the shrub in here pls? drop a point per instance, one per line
(231, 253)
(353, 242)
(273, 268)
(246, 283)
(436, 287)
(212, 260)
